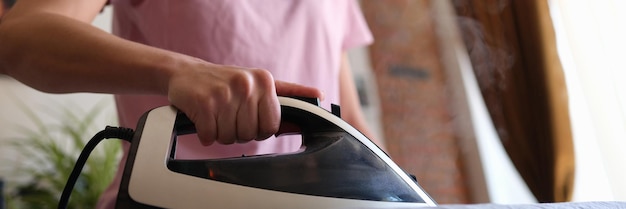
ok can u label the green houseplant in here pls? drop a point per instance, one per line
(52, 150)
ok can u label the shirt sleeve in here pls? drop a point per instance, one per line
(357, 33)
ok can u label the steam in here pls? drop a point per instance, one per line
(490, 60)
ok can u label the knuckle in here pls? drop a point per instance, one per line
(263, 77)
(243, 83)
(221, 94)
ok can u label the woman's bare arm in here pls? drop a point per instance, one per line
(50, 45)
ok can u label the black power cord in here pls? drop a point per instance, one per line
(108, 133)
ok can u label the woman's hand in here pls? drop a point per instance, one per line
(231, 104)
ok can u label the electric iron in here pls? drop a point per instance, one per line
(337, 167)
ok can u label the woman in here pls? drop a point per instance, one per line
(214, 60)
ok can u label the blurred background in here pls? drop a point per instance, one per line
(490, 101)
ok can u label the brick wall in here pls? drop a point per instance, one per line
(415, 117)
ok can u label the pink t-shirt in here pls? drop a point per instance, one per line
(299, 41)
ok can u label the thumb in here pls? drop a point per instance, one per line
(291, 89)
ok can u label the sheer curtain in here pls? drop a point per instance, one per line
(512, 48)
(591, 39)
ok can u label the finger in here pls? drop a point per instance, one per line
(292, 89)
(247, 121)
(246, 116)
(225, 109)
(226, 125)
(268, 107)
(269, 116)
(206, 129)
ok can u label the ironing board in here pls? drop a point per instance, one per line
(568, 205)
